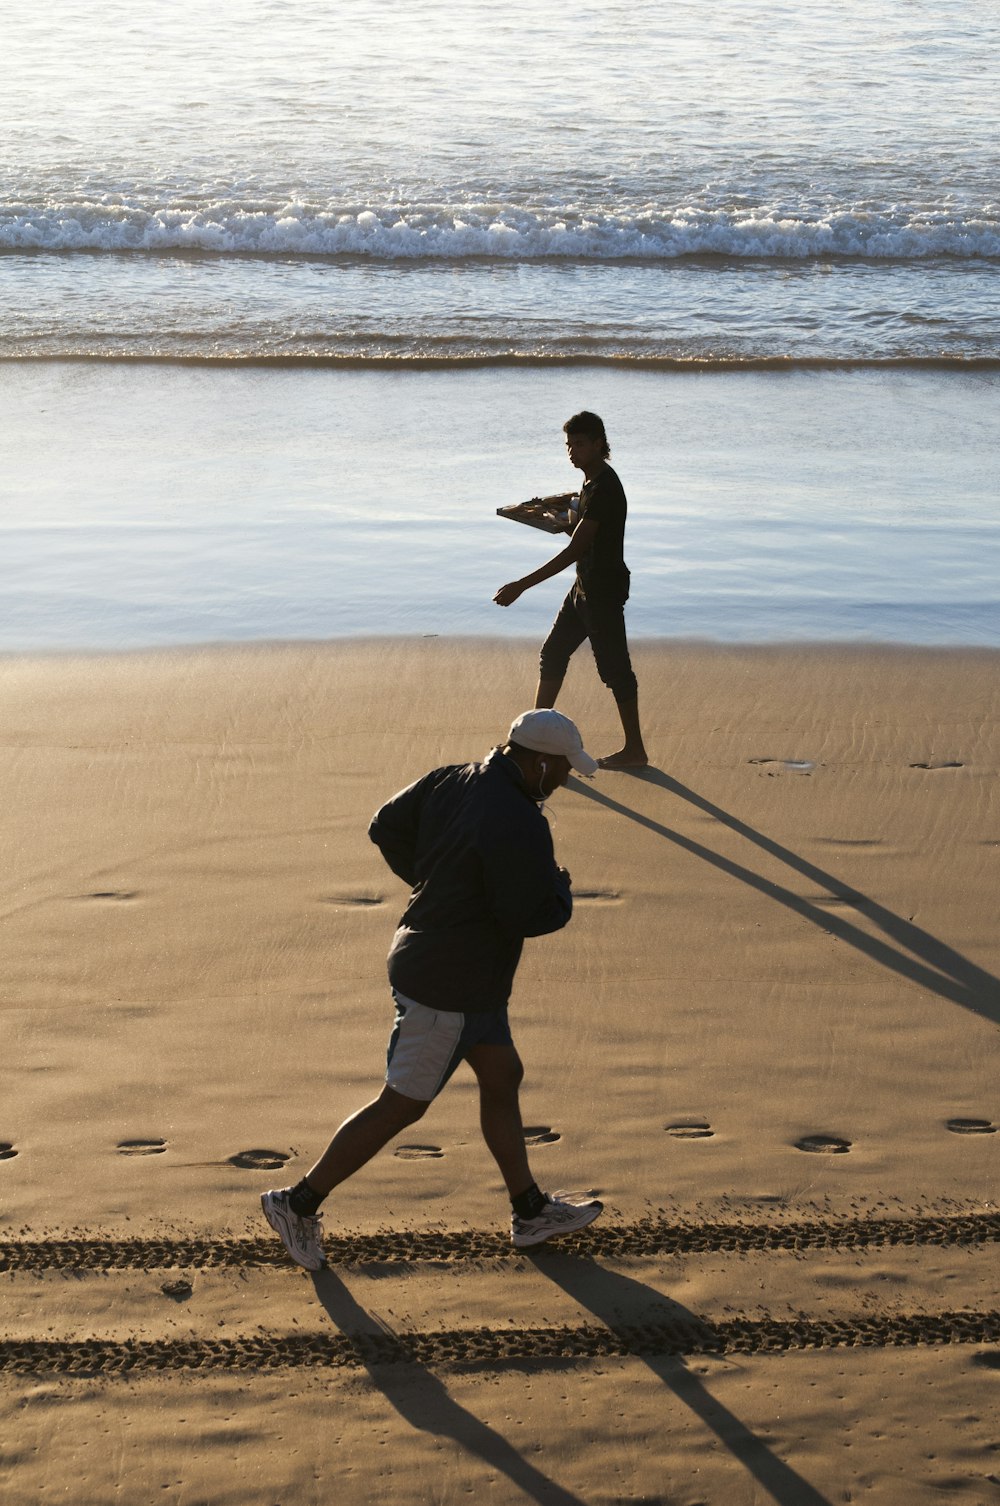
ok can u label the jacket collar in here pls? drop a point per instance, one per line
(505, 765)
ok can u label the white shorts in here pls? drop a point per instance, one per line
(427, 1045)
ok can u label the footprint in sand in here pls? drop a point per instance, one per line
(180, 1289)
(786, 765)
(540, 1134)
(141, 1147)
(971, 1126)
(112, 894)
(7, 1151)
(824, 1145)
(863, 842)
(596, 896)
(358, 901)
(259, 1160)
(690, 1129)
(418, 1152)
(942, 765)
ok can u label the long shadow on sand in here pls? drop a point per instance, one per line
(916, 955)
(617, 1299)
(423, 1401)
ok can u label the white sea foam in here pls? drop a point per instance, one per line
(506, 232)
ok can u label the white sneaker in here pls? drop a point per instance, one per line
(301, 1237)
(561, 1215)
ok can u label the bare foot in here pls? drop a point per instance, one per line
(625, 758)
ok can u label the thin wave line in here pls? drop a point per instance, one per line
(422, 362)
(699, 256)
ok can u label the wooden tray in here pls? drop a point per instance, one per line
(552, 514)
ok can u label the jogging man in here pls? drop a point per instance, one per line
(595, 607)
(475, 848)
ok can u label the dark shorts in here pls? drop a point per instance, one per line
(427, 1045)
(602, 620)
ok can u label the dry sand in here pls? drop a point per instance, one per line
(785, 929)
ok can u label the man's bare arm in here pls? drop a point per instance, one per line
(579, 544)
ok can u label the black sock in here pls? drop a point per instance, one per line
(303, 1201)
(529, 1204)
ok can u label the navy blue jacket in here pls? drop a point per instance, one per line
(477, 853)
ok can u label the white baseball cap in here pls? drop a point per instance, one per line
(549, 731)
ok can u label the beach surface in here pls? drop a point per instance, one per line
(767, 1040)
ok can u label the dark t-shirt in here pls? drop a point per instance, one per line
(602, 570)
(477, 853)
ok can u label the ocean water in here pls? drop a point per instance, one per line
(782, 222)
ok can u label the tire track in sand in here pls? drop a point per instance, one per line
(489, 1347)
(443, 1247)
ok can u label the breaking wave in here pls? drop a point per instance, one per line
(498, 231)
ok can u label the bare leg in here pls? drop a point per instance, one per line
(362, 1136)
(546, 694)
(633, 754)
(499, 1071)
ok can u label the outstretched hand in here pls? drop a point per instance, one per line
(508, 594)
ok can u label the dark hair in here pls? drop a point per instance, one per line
(590, 426)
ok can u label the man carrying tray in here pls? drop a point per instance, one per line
(473, 845)
(595, 606)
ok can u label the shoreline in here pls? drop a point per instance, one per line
(528, 642)
(293, 515)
